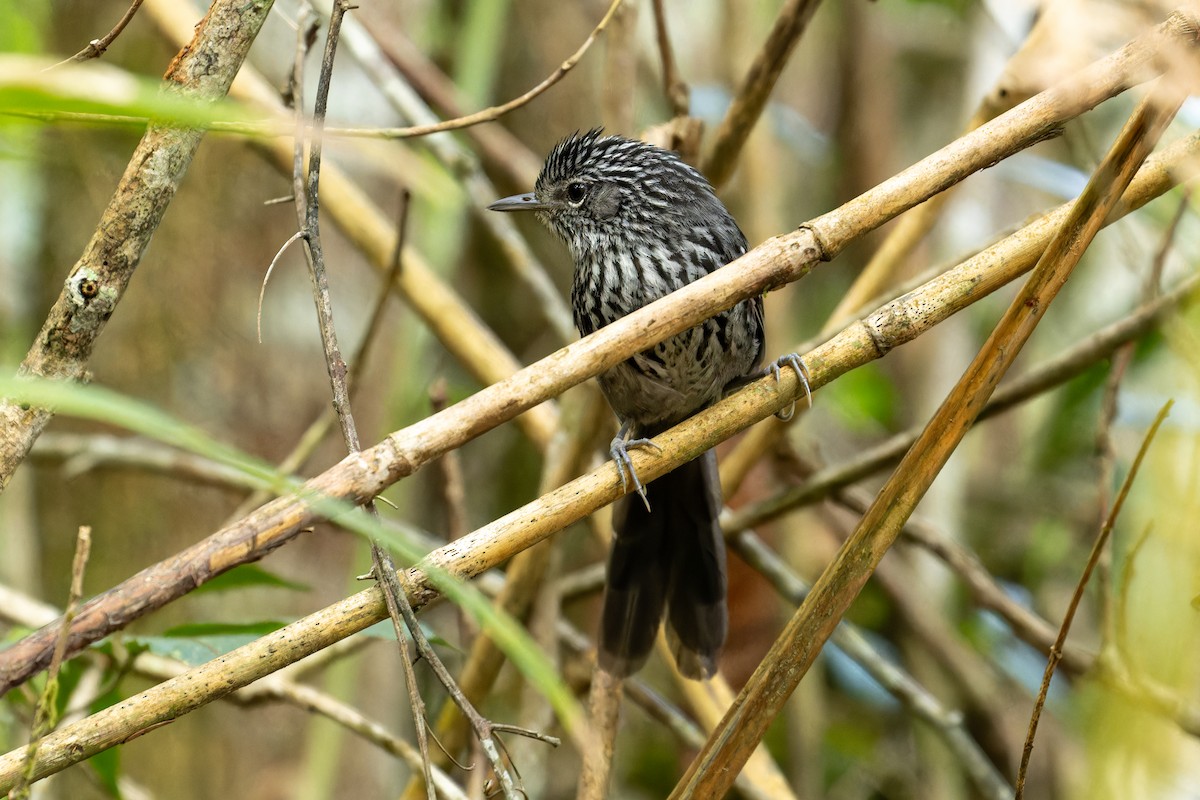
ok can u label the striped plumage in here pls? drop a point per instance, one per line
(648, 223)
(640, 223)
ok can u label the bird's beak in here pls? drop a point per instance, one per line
(519, 202)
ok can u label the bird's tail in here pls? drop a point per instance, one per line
(670, 557)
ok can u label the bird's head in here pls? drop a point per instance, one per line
(595, 187)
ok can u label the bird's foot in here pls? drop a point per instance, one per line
(794, 361)
(619, 450)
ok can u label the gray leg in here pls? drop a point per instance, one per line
(619, 450)
(794, 361)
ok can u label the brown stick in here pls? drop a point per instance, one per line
(759, 702)
(772, 264)
(756, 87)
(202, 70)
(1122, 66)
(98, 47)
(1093, 558)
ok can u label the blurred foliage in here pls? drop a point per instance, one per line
(23, 26)
(40, 88)
(863, 397)
(246, 576)
(871, 87)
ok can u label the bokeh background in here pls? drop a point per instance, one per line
(871, 88)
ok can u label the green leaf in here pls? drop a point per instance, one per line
(107, 764)
(24, 24)
(195, 650)
(197, 643)
(96, 403)
(861, 396)
(247, 576)
(38, 87)
(196, 630)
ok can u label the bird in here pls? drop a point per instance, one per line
(640, 223)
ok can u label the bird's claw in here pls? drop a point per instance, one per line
(619, 450)
(794, 361)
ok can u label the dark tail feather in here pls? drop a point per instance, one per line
(672, 556)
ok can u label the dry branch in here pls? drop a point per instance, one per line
(756, 88)
(373, 232)
(1149, 52)
(203, 70)
(358, 475)
(778, 261)
(806, 632)
(953, 290)
(1060, 640)
(363, 475)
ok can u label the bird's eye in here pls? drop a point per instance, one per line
(576, 192)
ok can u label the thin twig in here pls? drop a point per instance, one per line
(504, 153)
(1058, 370)
(522, 395)
(399, 608)
(262, 290)
(756, 87)
(769, 687)
(495, 112)
(916, 699)
(401, 613)
(46, 713)
(307, 206)
(98, 47)
(315, 433)
(1093, 558)
(674, 89)
(538, 736)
